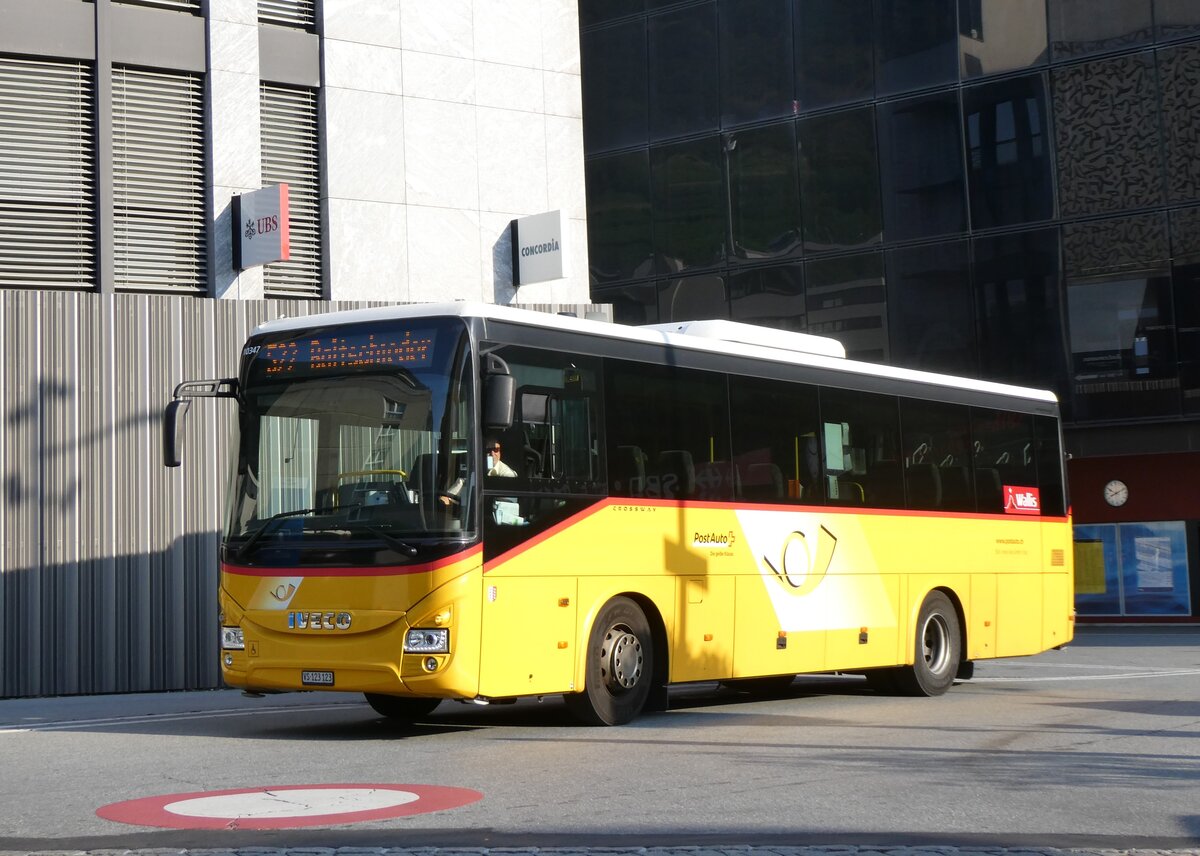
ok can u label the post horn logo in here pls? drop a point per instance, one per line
(801, 564)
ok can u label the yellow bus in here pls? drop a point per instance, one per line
(483, 503)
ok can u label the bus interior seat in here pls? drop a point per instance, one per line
(883, 484)
(988, 490)
(629, 471)
(924, 483)
(850, 493)
(718, 480)
(956, 488)
(677, 463)
(763, 481)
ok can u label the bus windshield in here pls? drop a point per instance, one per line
(355, 447)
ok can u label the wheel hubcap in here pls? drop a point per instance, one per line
(621, 659)
(935, 640)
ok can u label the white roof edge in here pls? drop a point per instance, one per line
(658, 334)
(753, 334)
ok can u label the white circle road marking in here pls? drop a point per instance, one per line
(287, 806)
(302, 802)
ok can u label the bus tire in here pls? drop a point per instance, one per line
(619, 668)
(401, 708)
(937, 649)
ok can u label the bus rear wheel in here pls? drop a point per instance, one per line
(400, 708)
(620, 666)
(938, 649)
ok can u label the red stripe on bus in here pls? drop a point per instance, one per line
(384, 571)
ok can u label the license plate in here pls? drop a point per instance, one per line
(316, 679)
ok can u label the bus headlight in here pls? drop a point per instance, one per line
(232, 639)
(427, 641)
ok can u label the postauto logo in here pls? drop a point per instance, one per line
(714, 539)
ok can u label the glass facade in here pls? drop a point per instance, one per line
(1005, 189)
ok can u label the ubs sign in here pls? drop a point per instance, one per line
(260, 227)
(537, 248)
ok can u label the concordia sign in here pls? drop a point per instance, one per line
(261, 231)
(537, 248)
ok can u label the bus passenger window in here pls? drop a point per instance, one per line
(862, 448)
(776, 449)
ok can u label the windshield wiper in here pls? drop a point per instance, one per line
(393, 542)
(269, 524)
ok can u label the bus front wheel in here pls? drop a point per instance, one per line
(620, 666)
(938, 649)
(400, 708)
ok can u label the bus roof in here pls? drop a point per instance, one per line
(720, 337)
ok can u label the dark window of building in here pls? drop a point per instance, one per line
(1185, 283)
(936, 444)
(692, 298)
(690, 204)
(918, 44)
(835, 59)
(778, 460)
(861, 449)
(47, 175)
(1179, 81)
(921, 166)
(1001, 35)
(668, 432)
(618, 195)
(772, 297)
(1176, 19)
(764, 194)
(1107, 126)
(839, 180)
(1020, 320)
(1003, 448)
(1082, 27)
(1008, 152)
(632, 304)
(757, 79)
(846, 299)
(932, 321)
(1120, 320)
(597, 11)
(614, 88)
(291, 155)
(683, 72)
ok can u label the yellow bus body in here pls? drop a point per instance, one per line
(731, 592)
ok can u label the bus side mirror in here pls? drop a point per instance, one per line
(499, 394)
(173, 430)
(173, 415)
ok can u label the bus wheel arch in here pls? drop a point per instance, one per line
(621, 662)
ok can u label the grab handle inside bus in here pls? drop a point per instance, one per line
(178, 408)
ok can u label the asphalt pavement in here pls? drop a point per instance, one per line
(613, 851)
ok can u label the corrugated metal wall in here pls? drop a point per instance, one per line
(108, 559)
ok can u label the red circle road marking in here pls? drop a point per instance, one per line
(270, 808)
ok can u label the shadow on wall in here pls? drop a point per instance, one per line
(503, 290)
(127, 623)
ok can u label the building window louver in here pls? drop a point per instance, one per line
(192, 6)
(47, 175)
(288, 13)
(290, 154)
(159, 219)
